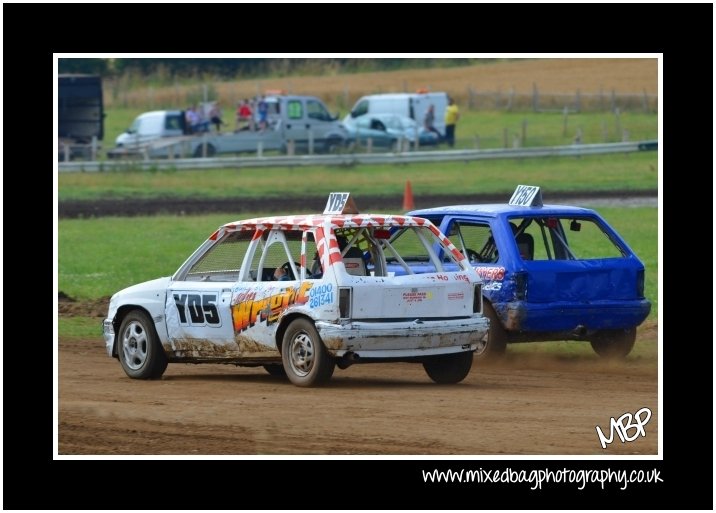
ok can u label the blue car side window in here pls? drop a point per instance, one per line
(474, 240)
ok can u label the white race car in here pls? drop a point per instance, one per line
(301, 294)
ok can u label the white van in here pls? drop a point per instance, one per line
(412, 105)
(153, 125)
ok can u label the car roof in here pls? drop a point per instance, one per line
(159, 113)
(384, 115)
(279, 97)
(500, 209)
(305, 221)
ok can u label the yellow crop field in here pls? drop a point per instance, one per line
(590, 76)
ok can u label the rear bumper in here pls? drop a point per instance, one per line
(560, 316)
(403, 339)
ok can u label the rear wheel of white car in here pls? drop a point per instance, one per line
(449, 368)
(275, 369)
(305, 358)
(140, 353)
(494, 343)
(614, 343)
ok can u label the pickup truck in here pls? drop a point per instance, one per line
(301, 122)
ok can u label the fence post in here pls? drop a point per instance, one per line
(617, 122)
(625, 135)
(578, 136)
(203, 145)
(614, 100)
(470, 98)
(524, 132)
(601, 98)
(511, 99)
(565, 121)
(94, 148)
(645, 103)
(67, 151)
(310, 141)
(369, 145)
(578, 103)
(515, 141)
(535, 97)
(260, 149)
(290, 148)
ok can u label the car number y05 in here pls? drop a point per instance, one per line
(201, 309)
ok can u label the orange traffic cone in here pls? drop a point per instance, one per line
(408, 198)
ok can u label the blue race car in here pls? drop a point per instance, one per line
(551, 272)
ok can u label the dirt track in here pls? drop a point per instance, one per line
(528, 404)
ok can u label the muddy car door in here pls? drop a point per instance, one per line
(198, 302)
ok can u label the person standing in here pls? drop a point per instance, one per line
(215, 116)
(429, 122)
(244, 116)
(263, 113)
(452, 114)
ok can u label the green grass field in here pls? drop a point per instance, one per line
(98, 257)
(636, 171)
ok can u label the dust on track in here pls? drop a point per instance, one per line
(545, 404)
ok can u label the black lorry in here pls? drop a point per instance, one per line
(80, 116)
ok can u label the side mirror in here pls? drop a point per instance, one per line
(575, 226)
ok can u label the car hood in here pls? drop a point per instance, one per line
(147, 289)
(122, 139)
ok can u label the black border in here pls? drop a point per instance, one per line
(32, 480)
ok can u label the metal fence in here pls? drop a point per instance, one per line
(536, 101)
(351, 159)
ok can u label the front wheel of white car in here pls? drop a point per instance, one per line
(140, 353)
(305, 358)
(449, 368)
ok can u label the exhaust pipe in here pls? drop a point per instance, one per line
(347, 360)
(579, 331)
